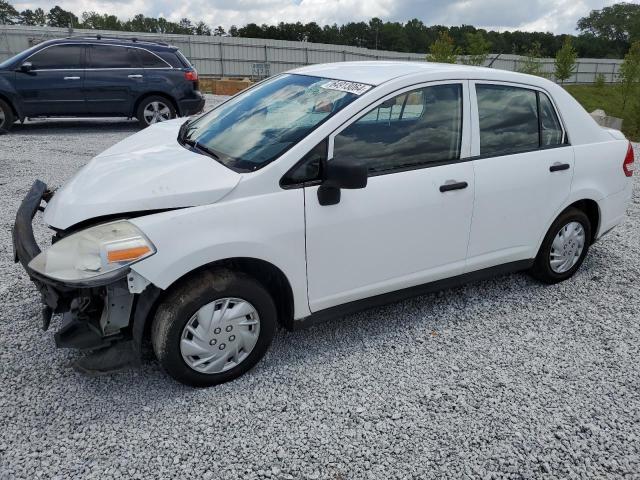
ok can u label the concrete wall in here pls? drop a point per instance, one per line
(252, 57)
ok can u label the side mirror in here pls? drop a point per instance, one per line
(338, 174)
(26, 67)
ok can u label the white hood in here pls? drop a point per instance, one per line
(149, 170)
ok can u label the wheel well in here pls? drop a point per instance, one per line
(155, 94)
(270, 276)
(591, 210)
(13, 108)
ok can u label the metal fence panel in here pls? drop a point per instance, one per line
(236, 57)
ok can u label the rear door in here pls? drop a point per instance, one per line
(523, 171)
(54, 84)
(114, 79)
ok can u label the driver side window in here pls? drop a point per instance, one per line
(415, 129)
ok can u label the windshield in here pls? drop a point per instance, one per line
(256, 127)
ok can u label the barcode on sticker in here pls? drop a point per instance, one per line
(350, 87)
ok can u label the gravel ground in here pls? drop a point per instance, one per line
(505, 378)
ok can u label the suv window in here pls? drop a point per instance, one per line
(419, 128)
(149, 60)
(111, 56)
(57, 57)
(514, 119)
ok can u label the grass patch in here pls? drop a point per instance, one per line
(609, 99)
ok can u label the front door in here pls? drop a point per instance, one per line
(410, 225)
(523, 172)
(54, 84)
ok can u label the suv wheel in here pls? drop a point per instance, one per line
(6, 116)
(155, 109)
(213, 328)
(564, 247)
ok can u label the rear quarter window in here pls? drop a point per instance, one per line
(151, 60)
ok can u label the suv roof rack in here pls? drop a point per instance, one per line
(122, 39)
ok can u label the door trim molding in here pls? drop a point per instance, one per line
(399, 295)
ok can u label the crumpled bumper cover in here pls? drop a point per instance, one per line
(74, 301)
(25, 247)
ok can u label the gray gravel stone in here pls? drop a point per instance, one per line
(505, 378)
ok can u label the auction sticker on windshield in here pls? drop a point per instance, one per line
(350, 87)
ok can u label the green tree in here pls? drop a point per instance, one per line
(532, 65)
(58, 17)
(619, 22)
(478, 48)
(33, 17)
(219, 31)
(600, 81)
(630, 73)
(202, 29)
(99, 21)
(566, 60)
(443, 50)
(8, 14)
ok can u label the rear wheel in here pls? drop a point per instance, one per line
(564, 247)
(153, 110)
(6, 116)
(213, 328)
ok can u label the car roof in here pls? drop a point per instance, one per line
(379, 72)
(102, 40)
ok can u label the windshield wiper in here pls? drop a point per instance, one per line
(182, 132)
(206, 150)
(196, 147)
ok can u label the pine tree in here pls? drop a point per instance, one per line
(566, 60)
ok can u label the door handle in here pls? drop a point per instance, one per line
(558, 167)
(72, 78)
(447, 187)
(134, 76)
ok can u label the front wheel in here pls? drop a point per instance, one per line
(564, 248)
(213, 327)
(153, 110)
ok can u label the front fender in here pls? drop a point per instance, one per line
(267, 227)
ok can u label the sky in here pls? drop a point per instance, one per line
(557, 16)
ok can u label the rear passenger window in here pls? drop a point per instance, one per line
(514, 119)
(58, 57)
(149, 60)
(108, 56)
(418, 128)
(551, 130)
(508, 119)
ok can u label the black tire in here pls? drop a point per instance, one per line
(541, 269)
(148, 102)
(6, 116)
(186, 299)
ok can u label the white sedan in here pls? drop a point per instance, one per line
(315, 193)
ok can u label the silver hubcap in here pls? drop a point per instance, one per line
(220, 335)
(567, 247)
(156, 112)
(2, 118)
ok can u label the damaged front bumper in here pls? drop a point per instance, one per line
(106, 320)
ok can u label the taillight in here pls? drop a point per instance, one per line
(191, 75)
(627, 166)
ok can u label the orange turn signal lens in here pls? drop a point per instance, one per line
(127, 254)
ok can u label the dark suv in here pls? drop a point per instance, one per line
(98, 77)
